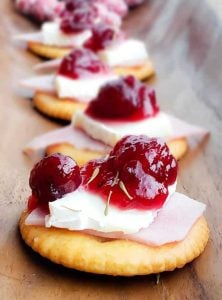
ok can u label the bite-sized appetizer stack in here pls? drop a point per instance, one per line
(76, 81)
(122, 107)
(119, 215)
(84, 24)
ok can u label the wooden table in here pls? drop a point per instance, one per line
(184, 39)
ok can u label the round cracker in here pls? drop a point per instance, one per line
(54, 107)
(92, 254)
(50, 52)
(177, 147)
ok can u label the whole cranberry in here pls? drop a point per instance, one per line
(53, 177)
(152, 153)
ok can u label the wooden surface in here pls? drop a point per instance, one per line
(185, 42)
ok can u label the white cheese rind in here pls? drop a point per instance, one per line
(111, 132)
(53, 36)
(127, 53)
(82, 210)
(83, 89)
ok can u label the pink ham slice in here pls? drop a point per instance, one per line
(38, 37)
(184, 129)
(36, 217)
(48, 65)
(29, 37)
(172, 224)
(44, 83)
(36, 148)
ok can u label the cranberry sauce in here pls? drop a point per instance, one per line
(81, 63)
(77, 16)
(102, 36)
(125, 99)
(52, 178)
(135, 175)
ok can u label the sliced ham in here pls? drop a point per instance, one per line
(36, 148)
(44, 83)
(172, 224)
(184, 129)
(71, 41)
(36, 217)
(29, 37)
(48, 65)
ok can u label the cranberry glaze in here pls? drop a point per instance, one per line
(81, 63)
(125, 99)
(135, 175)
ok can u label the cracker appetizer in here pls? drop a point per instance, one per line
(77, 80)
(119, 215)
(123, 107)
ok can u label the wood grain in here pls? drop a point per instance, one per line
(184, 39)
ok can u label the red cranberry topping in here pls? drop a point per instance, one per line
(71, 5)
(126, 99)
(136, 173)
(32, 203)
(80, 63)
(77, 17)
(52, 178)
(102, 36)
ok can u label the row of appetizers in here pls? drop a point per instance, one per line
(111, 174)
